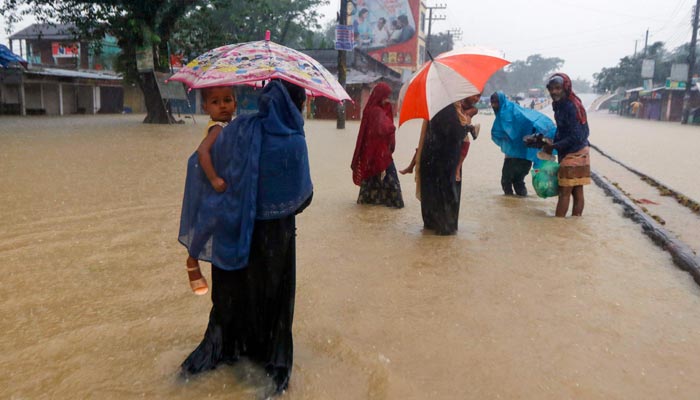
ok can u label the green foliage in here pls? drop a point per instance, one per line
(133, 23)
(220, 22)
(627, 73)
(191, 26)
(522, 75)
(581, 85)
(440, 43)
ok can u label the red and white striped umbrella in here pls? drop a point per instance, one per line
(450, 77)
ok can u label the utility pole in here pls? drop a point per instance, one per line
(691, 65)
(342, 65)
(432, 18)
(646, 42)
(635, 47)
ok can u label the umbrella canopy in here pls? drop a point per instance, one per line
(450, 77)
(252, 62)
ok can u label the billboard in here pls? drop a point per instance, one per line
(386, 29)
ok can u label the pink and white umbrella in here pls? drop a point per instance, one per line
(252, 62)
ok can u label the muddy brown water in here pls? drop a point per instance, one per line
(95, 301)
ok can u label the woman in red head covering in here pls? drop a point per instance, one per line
(372, 164)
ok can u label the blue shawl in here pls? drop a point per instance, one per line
(264, 161)
(513, 122)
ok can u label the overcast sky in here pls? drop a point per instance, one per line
(588, 35)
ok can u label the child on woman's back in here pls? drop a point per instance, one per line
(220, 103)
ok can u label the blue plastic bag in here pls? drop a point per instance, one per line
(545, 180)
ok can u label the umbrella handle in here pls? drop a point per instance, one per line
(267, 35)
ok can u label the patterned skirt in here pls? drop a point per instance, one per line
(382, 189)
(575, 169)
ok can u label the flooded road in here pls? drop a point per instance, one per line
(96, 304)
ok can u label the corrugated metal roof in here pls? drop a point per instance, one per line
(46, 31)
(67, 73)
(637, 89)
(355, 77)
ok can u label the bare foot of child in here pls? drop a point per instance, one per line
(407, 170)
(197, 282)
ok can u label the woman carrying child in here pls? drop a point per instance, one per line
(252, 240)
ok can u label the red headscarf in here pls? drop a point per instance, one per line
(376, 140)
(580, 110)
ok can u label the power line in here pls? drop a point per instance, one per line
(455, 33)
(432, 18)
(607, 11)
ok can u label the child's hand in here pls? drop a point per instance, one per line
(218, 184)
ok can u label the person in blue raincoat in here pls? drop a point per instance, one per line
(512, 123)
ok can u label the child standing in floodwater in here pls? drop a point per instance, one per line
(220, 104)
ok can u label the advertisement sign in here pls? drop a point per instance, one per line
(386, 29)
(675, 84)
(63, 50)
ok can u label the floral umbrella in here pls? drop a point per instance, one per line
(450, 77)
(252, 62)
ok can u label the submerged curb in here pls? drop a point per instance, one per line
(683, 256)
(664, 190)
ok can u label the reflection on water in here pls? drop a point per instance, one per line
(95, 301)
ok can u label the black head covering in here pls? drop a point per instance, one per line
(296, 92)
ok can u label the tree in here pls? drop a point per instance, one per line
(522, 75)
(137, 25)
(291, 23)
(531, 73)
(440, 43)
(581, 85)
(150, 25)
(627, 73)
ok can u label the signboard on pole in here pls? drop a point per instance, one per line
(648, 68)
(679, 72)
(344, 38)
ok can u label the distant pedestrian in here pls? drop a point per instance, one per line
(571, 143)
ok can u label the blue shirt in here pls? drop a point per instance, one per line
(571, 134)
